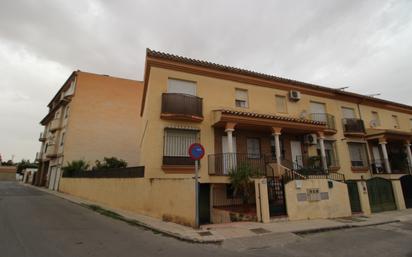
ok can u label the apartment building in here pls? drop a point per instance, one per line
(323, 152)
(91, 117)
(317, 152)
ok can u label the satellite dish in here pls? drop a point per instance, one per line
(374, 123)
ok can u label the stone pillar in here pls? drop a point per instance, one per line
(276, 133)
(364, 197)
(322, 151)
(230, 127)
(409, 155)
(398, 194)
(383, 143)
(262, 200)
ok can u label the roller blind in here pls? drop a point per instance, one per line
(181, 87)
(177, 142)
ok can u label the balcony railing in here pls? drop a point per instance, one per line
(353, 126)
(182, 105)
(42, 137)
(222, 164)
(313, 164)
(329, 119)
(398, 167)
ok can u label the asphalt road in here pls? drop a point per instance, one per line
(33, 223)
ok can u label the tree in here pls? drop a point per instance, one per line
(110, 163)
(25, 164)
(75, 166)
(241, 182)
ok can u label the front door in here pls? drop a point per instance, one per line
(229, 159)
(204, 204)
(354, 196)
(296, 150)
(52, 177)
(406, 182)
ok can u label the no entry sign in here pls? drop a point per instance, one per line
(196, 151)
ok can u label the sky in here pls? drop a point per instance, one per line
(365, 45)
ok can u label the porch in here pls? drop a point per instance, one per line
(390, 151)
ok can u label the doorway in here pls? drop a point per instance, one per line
(204, 204)
(296, 151)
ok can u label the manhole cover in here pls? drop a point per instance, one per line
(259, 230)
(205, 233)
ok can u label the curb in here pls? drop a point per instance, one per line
(132, 221)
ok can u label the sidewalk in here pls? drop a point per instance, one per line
(217, 233)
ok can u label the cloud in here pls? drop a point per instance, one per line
(361, 44)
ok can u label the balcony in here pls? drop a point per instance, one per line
(222, 164)
(54, 125)
(329, 119)
(182, 107)
(42, 137)
(397, 167)
(39, 156)
(51, 151)
(353, 127)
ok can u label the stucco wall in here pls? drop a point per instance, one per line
(337, 204)
(104, 119)
(220, 93)
(168, 199)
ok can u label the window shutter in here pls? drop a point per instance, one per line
(181, 87)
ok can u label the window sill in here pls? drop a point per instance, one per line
(360, 169)
(178, 169)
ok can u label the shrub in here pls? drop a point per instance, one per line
(241, 183)
(75, 166)
(110, 163)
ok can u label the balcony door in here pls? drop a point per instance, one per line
(229, 159)
(319, 109)
(348, 113)
(296, 150)
(378, 165)
(181, 87)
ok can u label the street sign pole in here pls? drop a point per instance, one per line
(196, 152)
(197, 192)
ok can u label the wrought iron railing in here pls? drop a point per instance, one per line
(222, 164)
(353, 125)
(182, 104)
(329, 119)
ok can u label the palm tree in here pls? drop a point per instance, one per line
(75, 166)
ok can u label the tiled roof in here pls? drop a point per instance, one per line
(224, 68)
(271, 117)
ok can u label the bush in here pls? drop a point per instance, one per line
(241, 183)
(110, 163)
(75, 166)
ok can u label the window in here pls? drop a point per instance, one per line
(348, 113)
(375, 122)
(281, 103)
(331, 153)
(358, 154)
(176, 146)
(241, 98)
(62, 139)
(253, 148)
(181, 87)
(66, 112)
(56, 115)
(395, 121)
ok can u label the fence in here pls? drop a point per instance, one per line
(130, 172)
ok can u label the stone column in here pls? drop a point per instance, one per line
(276, 134)
(322, 151)
(230, 127)
(383, 143)
(408, 154)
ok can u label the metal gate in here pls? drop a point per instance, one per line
(276, 195)
(380, 195)
(406, 182)
(355, 205)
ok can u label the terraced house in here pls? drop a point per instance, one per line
(91, 117)
(319, 152)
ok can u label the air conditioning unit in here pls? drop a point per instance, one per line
(310, 139)
(294, 95)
